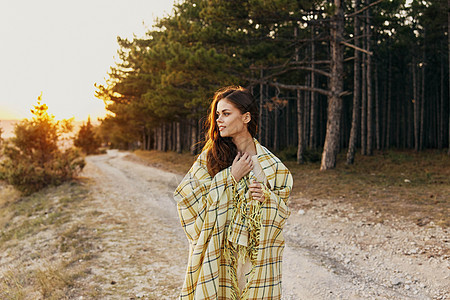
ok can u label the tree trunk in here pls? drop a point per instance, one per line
(416, 107)
(193, 137)
(275, 130)
(160, 137)
(147, 139)
(369, 150)
(288, 124)
(164, 137)
(312, 130)
(410, 107)
(377, 110)
(301, 141)
(266, 121)
(143, 138)
(169, 136)
(422, 109)
(397, 121)
(331, 146)
(440, 109)
(364, 97)
(306, 111)
(261, 99)
(356, 92)
(155, 138)
(448, 36)
(178, 129)
(389, 100)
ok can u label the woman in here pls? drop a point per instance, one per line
(233, 205)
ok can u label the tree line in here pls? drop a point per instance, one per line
(328, 75)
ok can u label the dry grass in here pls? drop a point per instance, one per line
(11, 286)
(169, 161)
(390, 183)
(8, 195)
(397, 183)
(46, 244)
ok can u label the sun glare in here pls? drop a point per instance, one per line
(7, 114)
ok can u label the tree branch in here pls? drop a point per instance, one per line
(299, 87)
(363, 9)
(356, 48)
(303, 62)
(318, 71)
(345, 93)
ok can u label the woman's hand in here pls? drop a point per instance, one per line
(256, 191)
(242, 164)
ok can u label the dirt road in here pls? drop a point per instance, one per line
(332, 251)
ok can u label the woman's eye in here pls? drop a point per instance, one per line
(223, 114)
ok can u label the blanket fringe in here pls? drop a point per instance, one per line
(250, 212)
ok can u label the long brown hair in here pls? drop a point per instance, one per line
(221, 151)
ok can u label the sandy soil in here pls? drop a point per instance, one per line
(332, 251)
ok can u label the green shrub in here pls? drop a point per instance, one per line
(290, 154)
(32, 159)
(86, 139)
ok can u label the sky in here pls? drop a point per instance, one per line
(62, 48)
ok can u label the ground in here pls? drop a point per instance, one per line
(137, 248)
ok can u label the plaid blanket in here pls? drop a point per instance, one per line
(209, 215)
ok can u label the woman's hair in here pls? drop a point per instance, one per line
(221, 151)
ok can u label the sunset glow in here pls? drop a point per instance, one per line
(62, 49)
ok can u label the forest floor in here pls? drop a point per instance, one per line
(115, 233)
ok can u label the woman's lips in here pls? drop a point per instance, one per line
(221, 128)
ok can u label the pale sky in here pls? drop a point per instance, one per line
(62, 48)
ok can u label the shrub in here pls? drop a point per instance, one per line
(86, 139)
(1, 139)
(290, 154)
(32, 159)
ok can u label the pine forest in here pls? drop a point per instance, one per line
(329, 76)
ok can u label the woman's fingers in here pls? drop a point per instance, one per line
(255, 184)
(246, 161)
(257, 195)
(236, 158)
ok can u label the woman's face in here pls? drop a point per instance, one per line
(230, 120)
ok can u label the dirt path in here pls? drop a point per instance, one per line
(332, 251)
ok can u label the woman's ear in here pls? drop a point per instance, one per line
(247, 117)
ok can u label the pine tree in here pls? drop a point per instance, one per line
(86, 138)
(33, 159)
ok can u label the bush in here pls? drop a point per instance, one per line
(290, 154)
(32, 159)
(1, 139)
(86, 139)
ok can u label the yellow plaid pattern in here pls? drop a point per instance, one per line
(205, 207)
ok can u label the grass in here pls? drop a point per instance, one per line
(394, 183)
(47, 243)
(169, 161)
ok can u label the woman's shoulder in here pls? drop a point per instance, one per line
(268, 159)
(265, 153)
(200, 161)
(202, 157)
